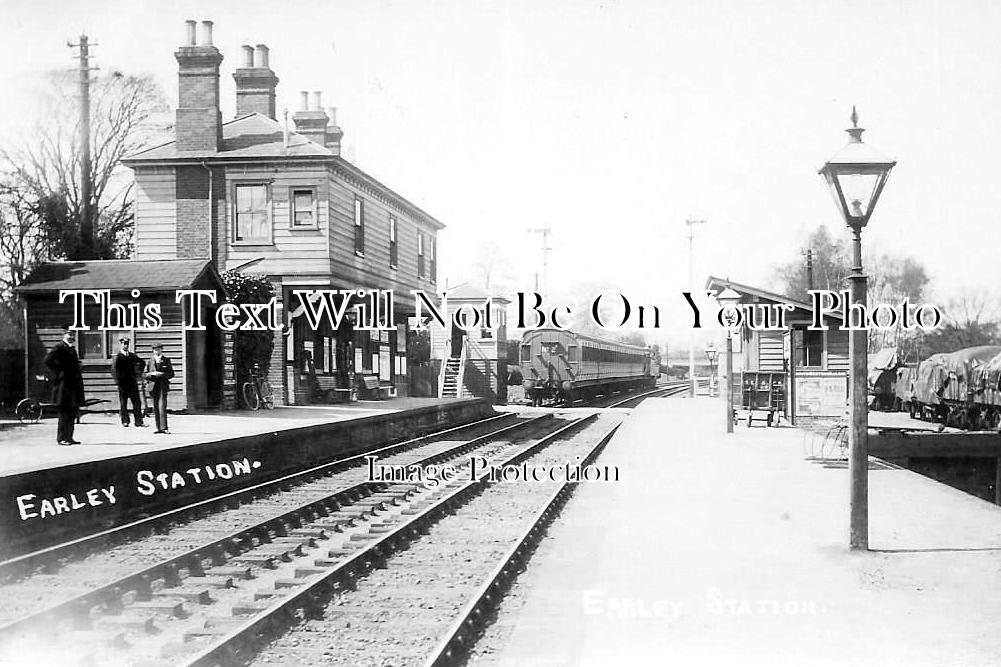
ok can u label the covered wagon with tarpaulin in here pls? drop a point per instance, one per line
(197, 355)
(882, 379)
(947, 385)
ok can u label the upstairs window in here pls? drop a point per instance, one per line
(359, 227)
(420, 255)
(433, 272)
(303, 208)
(251, 222)
(392, 242)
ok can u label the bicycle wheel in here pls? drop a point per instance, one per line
(267, 395)
(28, 411)
(251, 399)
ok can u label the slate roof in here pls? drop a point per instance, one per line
(252, 136)
(118, 274)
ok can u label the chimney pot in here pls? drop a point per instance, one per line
(317, 97)
(248, 55)
(189, 30)
(206, 33)
(262, 56)
(304, 95)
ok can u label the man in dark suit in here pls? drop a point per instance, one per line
(123, 369)
(159, 371)
(67, 386)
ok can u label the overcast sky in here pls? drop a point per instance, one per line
(613, 122)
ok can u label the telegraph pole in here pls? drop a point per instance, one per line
(691, 286)
(545, 231)
(86, 177)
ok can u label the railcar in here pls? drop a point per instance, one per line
(561, 366)
(959, 388)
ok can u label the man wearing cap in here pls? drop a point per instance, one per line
(159, 373)
(123, 369)
(67, 386)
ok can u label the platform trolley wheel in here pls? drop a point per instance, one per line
(250, 396)
(267, 395)
(28, 411)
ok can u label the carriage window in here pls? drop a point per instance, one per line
(526, 352)
(572, 353)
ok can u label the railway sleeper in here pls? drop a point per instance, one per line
(231, 571)
(188, 593)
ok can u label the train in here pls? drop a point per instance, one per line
(960, 389)
(560, 366)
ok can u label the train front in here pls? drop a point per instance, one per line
(546, 358)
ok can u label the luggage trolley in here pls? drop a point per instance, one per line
(761, 394)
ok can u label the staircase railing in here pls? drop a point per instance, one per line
(443, 369)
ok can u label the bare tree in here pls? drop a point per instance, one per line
(127, 114)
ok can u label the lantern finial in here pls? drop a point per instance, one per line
(855, 132)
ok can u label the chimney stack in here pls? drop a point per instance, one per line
(311, 121)
(255, 83)
(334, 133)
(198, 121)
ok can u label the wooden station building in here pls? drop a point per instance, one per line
(255, 195)
(197, 356)
(811, 366)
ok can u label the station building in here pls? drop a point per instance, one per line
(256, 195)
(805, 371)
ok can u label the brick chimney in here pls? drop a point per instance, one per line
(311, 120)
(199, 123)
(255, 83)
(334, 133)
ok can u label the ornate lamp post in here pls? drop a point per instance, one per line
(712, 354)
(728, 300)
(856, 176)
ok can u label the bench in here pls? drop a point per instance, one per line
(370, 385)
(327, 385)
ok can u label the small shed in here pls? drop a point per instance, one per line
(813, 366)
(196, 355)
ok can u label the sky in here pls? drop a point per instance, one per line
(611, 122)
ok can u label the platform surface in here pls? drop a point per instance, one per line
(29, 447)
(716, 549)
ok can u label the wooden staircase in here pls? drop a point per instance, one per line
(452, 382)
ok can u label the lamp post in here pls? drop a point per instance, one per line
(712, 354)
(856, 176)
(728, 299)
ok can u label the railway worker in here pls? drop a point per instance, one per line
(124, 367)
(159, 373)
(67, 386)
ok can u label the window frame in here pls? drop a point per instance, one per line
(359, 226)
(268, 211)
(394, 246)
(820, 349)
(433, 259)
(293, 189)
(421, 273)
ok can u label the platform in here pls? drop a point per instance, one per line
(50, 493)
(717, 549)
(27, 447)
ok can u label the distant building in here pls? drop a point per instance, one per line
(254, 195)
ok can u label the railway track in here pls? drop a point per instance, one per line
(192, 595)
(668, 389)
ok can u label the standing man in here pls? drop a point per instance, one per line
(123, 369)
(159, 373)
(67, 386)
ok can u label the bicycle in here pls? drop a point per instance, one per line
(257, 390)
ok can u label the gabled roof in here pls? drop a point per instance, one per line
(119, 274)
(469, 291)
(716, 284)
(253, 136)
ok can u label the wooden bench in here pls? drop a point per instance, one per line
(370, 385)
(327, 385)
